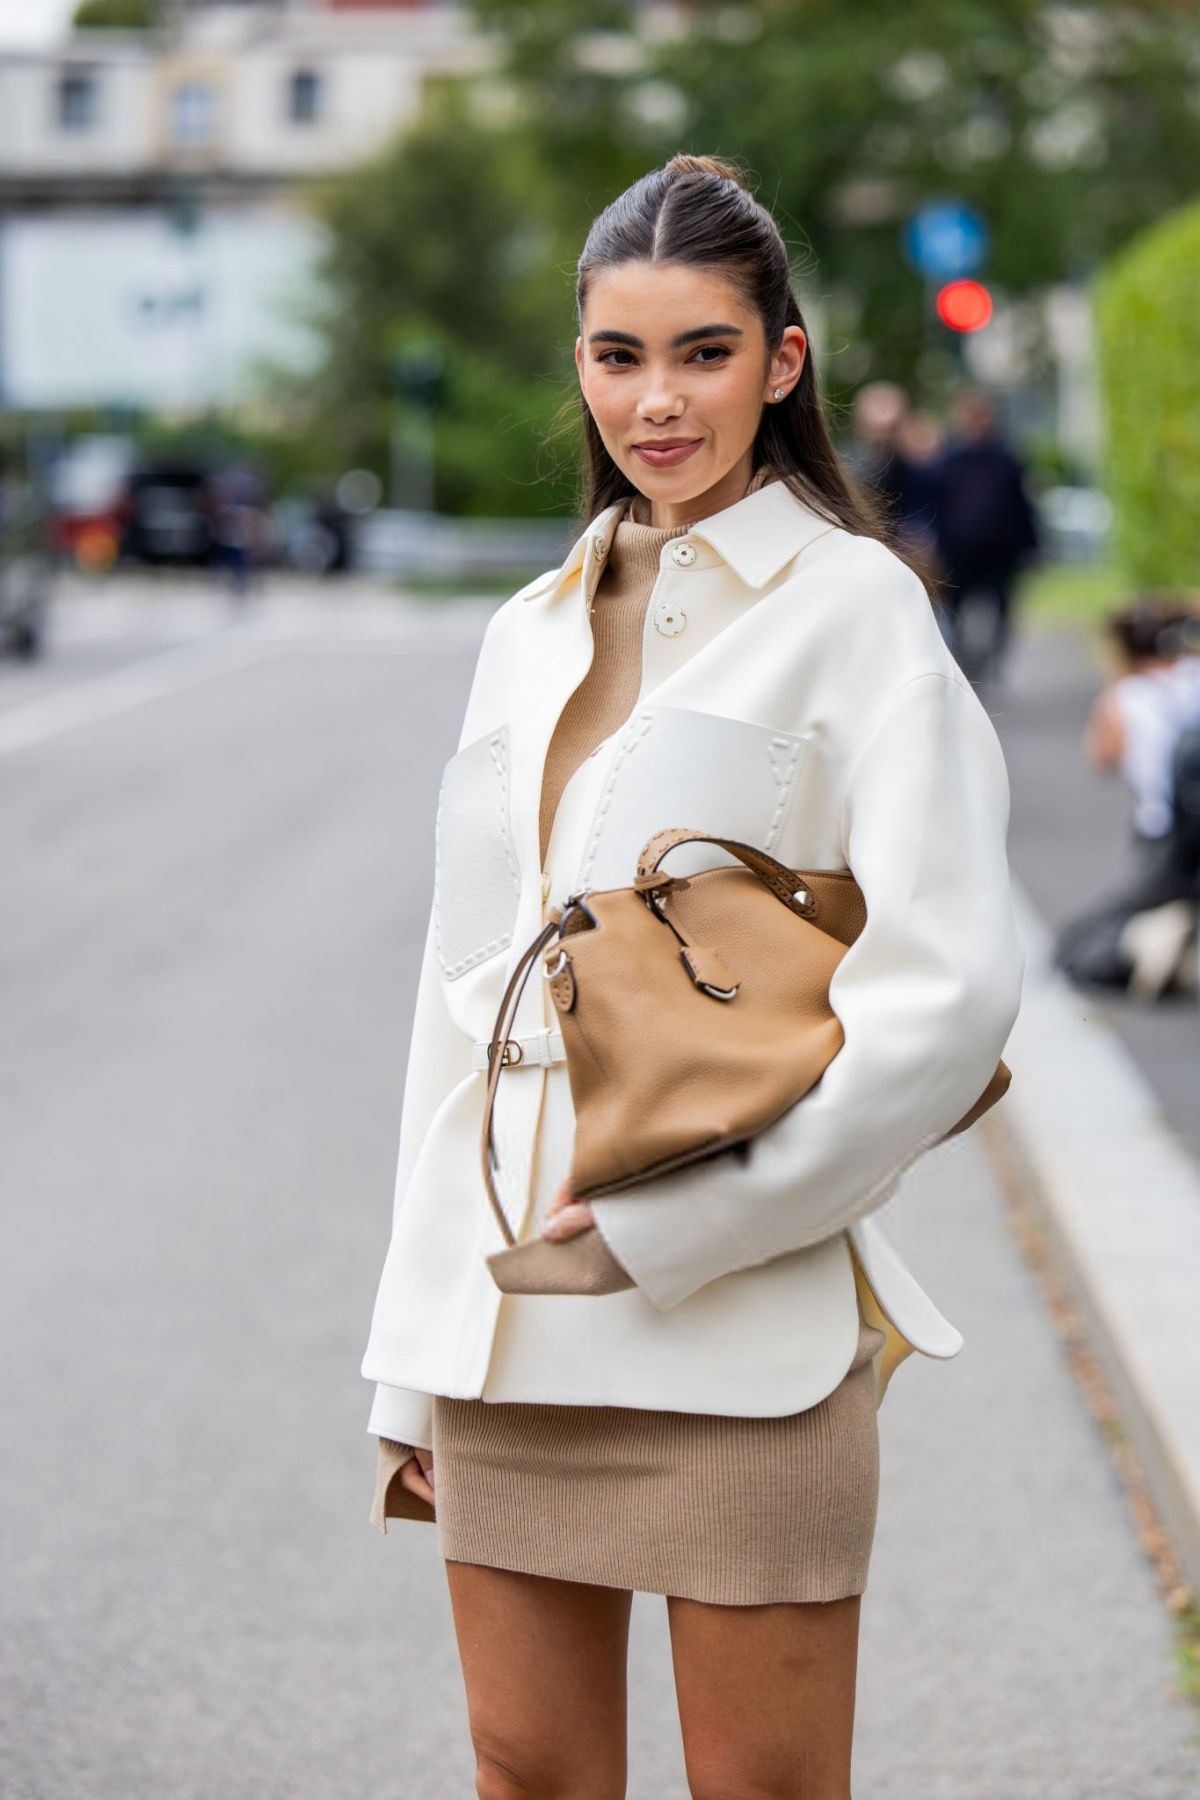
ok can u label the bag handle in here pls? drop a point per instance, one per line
(774, 875)
(505, 1014)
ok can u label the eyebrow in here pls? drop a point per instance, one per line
(682, 337)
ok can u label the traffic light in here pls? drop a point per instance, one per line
(963, 305)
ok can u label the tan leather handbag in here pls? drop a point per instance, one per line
(694, 1011)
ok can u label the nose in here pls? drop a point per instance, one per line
(658, 403)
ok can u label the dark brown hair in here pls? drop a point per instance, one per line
(1153, 625)
(698, 211)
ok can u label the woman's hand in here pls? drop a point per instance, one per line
(566, 1217)
(417, 1475)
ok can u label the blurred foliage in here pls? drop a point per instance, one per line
(1073, 593)
(447, 240)
(1148, 320)
(125, 15)
(1067, 126)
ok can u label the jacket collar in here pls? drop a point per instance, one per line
(756, 536)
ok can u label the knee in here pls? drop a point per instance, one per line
(509, 1774)
(498, 1779)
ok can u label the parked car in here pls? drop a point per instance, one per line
(167, 514)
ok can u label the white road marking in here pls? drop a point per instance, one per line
(224, 652)
(119, 690)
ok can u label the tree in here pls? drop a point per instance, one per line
(446, 238)
(1066, 125)
(121, 15)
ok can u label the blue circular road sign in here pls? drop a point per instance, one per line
(945, 240)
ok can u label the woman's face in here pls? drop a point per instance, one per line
(670, 355)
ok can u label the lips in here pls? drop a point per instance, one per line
(663, 453)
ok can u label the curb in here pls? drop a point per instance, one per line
(1119, 1197)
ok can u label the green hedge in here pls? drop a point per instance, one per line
(1147, 307)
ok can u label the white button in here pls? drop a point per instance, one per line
(683, 553)
(669, 618)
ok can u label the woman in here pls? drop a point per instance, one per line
(728, 646)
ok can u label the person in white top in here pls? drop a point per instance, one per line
(1143, 936)
(1137, 718)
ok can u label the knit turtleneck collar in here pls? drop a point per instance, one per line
(637, 545)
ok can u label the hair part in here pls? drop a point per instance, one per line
(698, 211)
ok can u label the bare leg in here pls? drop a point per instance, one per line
(544, 1663)
(766, 1697)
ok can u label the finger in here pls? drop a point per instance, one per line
(562, 1198)
(412, 1479)
(570, 1221)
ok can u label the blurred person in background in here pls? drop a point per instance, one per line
(985, 529)
(895, 452)
(873, 454)
(236, 504)
(920, 446)
(1145, 727)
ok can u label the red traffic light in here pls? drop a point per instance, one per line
(964, 305)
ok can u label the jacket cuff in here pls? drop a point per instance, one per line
(391, 1500)
(403, 1414)
(672, 1250)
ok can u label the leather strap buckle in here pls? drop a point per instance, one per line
(537, 1050)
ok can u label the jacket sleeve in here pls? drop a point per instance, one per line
(926, 996)
(436, 1045)
(439, 1057)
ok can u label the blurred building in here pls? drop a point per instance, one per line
(153, 243)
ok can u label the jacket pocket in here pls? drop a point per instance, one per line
(676, 765)
(476, 879)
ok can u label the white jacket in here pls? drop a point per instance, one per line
(796, 693)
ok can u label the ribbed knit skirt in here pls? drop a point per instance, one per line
(738, 1511)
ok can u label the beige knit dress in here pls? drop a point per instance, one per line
(737, 1511)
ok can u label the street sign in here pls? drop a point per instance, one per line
(964, 305)
(945, 240)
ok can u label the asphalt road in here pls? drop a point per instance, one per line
(216, 868)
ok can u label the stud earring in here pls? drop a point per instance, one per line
(779, 393)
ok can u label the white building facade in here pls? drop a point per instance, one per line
(153, 240)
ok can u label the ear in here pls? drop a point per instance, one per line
(788, 361)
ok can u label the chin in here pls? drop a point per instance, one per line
(677, 485)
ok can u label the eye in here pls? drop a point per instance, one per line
(722, 351)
